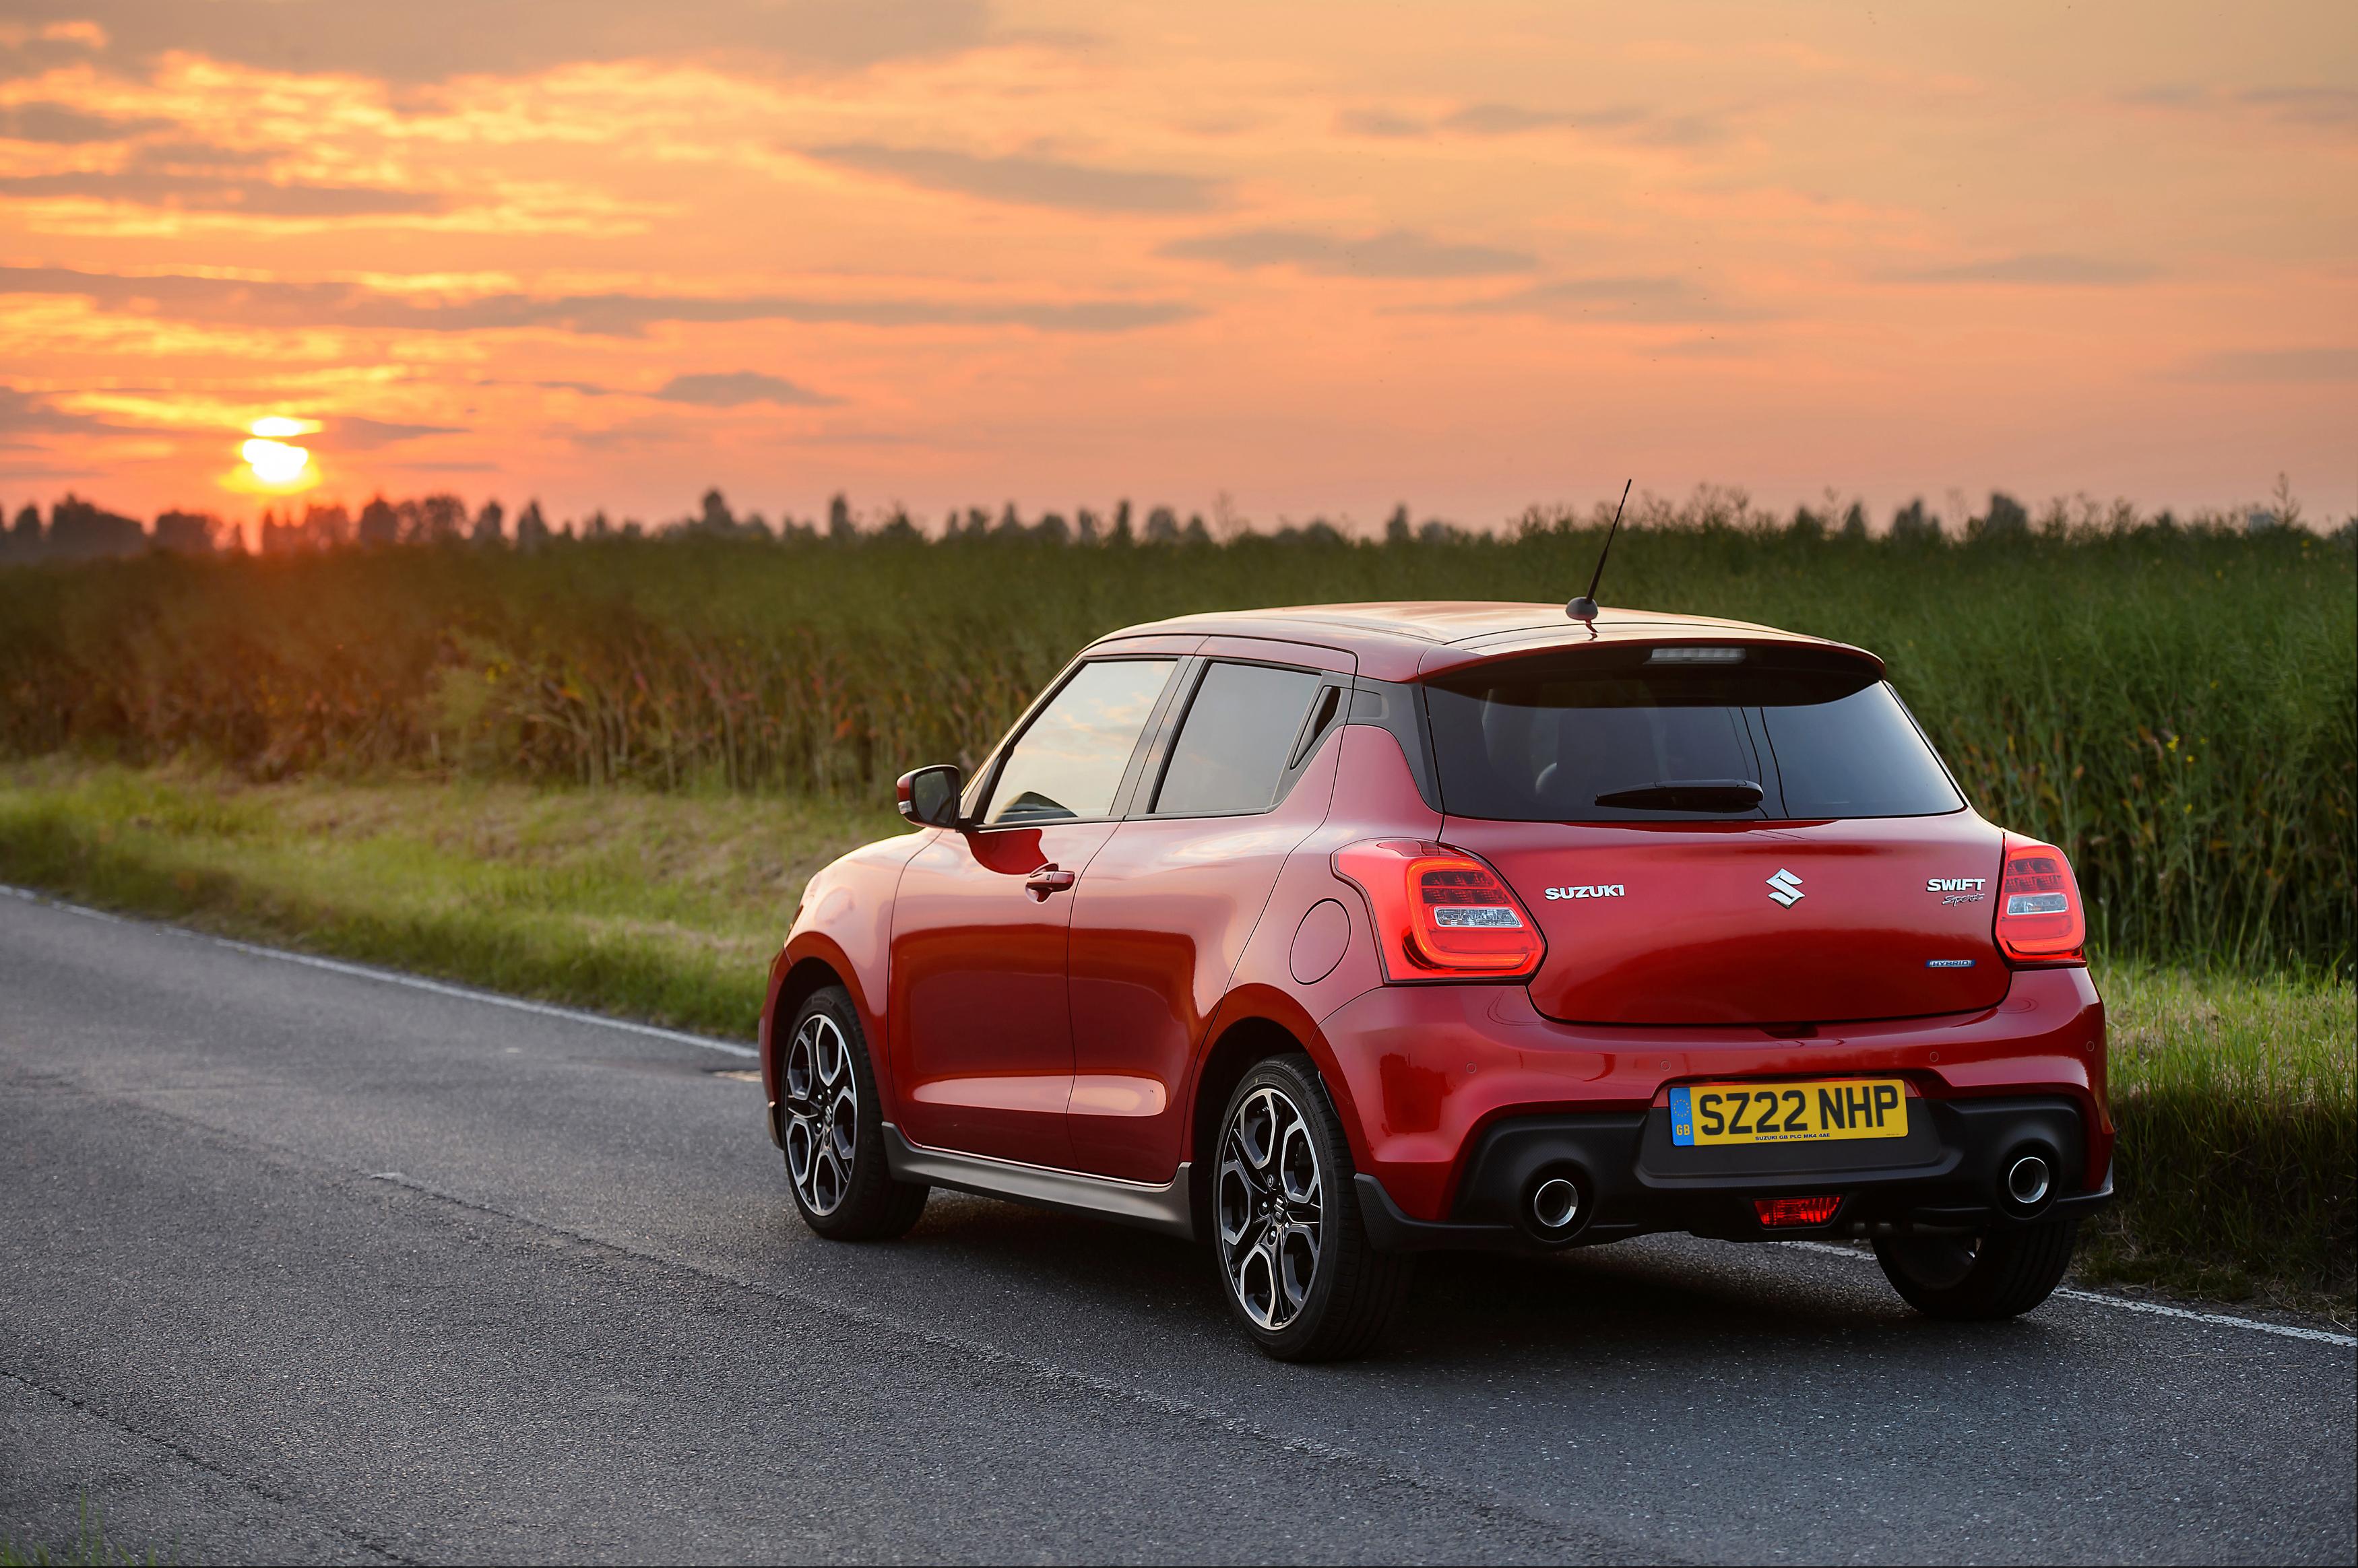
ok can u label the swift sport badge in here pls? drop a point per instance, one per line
(1786, 888)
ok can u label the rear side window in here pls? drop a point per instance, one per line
(1614, 737)
(1070, 761)
(1238, 738)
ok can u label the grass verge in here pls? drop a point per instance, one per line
(2235, 1095)
(2238, 1123)
(664, 908)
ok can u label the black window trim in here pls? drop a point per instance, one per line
(1144, 774)
(1398, 709)
(1325, 708)
(996, 761)
(1150, 783)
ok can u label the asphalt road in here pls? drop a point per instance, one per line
(300, 1264)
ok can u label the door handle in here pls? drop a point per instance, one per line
(1048, 879)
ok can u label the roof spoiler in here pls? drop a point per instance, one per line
(1687, 648)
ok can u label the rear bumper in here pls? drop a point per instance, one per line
(1948, 1177)
(1440, 1081)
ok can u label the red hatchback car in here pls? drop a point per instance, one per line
(1332, 936)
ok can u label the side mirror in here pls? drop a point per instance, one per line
(929, 797)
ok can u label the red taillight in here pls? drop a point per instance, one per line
(1776, 1213)
(1441, 913)
(2039, 919)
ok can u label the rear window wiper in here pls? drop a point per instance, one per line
(1687, 795)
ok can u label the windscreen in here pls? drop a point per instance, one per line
(1653, 735)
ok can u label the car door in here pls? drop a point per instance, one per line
(1160, 920)
(979, 1022)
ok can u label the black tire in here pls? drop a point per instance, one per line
(844, 1190)
(1975, 1278)
(1294, 1210)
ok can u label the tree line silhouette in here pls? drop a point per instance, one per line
(79, 529)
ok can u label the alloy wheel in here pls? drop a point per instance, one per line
(822, 1106)
(1270, 1199)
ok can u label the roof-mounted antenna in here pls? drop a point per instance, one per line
(1585, 607)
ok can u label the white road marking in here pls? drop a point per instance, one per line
(2125, 1304)
(395, 978)
(2157, 1310)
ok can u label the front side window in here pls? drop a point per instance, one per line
(1239, 737)
(1069, 763)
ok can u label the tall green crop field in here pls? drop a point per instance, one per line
(2177, 707)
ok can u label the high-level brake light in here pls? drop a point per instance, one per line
(1441, 913)
(2039, 917)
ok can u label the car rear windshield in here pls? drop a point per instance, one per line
(1653, 735)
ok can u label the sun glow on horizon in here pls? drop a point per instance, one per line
(278, 426)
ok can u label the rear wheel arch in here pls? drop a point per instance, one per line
(1235, 1050)
(1240, 1045)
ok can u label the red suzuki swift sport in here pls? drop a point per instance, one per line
(1332, 936)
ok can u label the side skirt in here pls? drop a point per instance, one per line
(1168, 1209)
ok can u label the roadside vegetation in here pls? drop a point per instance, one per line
(2175, 704)
(2233, 1091)
(2237, 1103)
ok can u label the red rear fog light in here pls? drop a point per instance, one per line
(1778, 1212)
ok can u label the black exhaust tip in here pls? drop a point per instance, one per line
(1555, 1203)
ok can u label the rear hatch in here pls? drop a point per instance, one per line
(1732, 834)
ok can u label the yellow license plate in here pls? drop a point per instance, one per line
(1789, 1113)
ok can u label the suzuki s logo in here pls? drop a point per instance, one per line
(1594, 889)
(1786, 888)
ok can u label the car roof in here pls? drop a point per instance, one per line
(1403, 640)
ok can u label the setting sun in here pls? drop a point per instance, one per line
(275, 462)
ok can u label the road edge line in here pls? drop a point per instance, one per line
(2127, 1304)
(390, 977)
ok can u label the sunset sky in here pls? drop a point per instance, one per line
(1316, 258)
